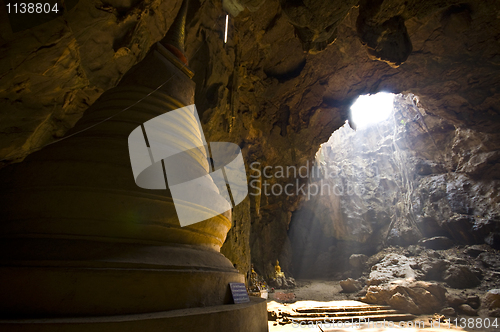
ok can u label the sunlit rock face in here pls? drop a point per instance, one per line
(260, 90)
(395, 183)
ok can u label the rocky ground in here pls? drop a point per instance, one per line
(457, 282)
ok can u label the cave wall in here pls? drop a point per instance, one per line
(280, 86)
(52, 72)
(412, 176)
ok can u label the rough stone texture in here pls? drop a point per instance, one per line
(413, 297)
(455, 300)
(393, 281)
(474, 301)
(466, 309)
(460, 277)
(393, 267)
(394, 273)
(51, 73)
(237, 245)
(448, 311)
(278, 103)
(350, 285)
(282, 283)
(494, 313)
(491, 299)
(395, 183)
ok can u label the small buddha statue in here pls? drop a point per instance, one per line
(277, 269)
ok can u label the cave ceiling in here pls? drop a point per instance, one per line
(280, 86)
(285, 79)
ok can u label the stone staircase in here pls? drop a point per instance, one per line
(336, 312)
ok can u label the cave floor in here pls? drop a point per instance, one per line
(311, 293)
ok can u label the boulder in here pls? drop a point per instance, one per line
(432, 268)
(403, 302)
(490, 260)
(459, 226)
(491, 299)
(282, 282)
(475, 250)
(474, 301)
(466, 309)
(414, 250)
(392, 267)
(494, 313)
(455, 300)
(448, 311)
(460, 276)
(437, 243)
(418, 297)
(350, 285)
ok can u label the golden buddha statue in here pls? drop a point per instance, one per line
(277, 268)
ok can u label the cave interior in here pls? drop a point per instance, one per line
(317, 199)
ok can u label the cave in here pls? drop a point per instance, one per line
(223, 166)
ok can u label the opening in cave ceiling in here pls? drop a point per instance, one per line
(370, 109)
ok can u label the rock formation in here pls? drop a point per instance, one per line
(410, 179)
(279, 88)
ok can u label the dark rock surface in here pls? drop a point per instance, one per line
(466, 309)
(282, 283)
(263, 92)
(491, 299)
(406, 282)
(460, 277)
(448, 312)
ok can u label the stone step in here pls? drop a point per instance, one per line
(345, 314)
(343, 309)
(362, 318)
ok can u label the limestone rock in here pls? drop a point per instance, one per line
(494, 313)
(466, 309)
(458, 276)
(282, 283)
(415, 297)
(448, 312)
(492, 299)
(350, 285)
(49, 75)
(404, 303)
(455, 300)
(474, 301)
(490, 260)
(432, 268)
(475, 250)
(392, 267)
